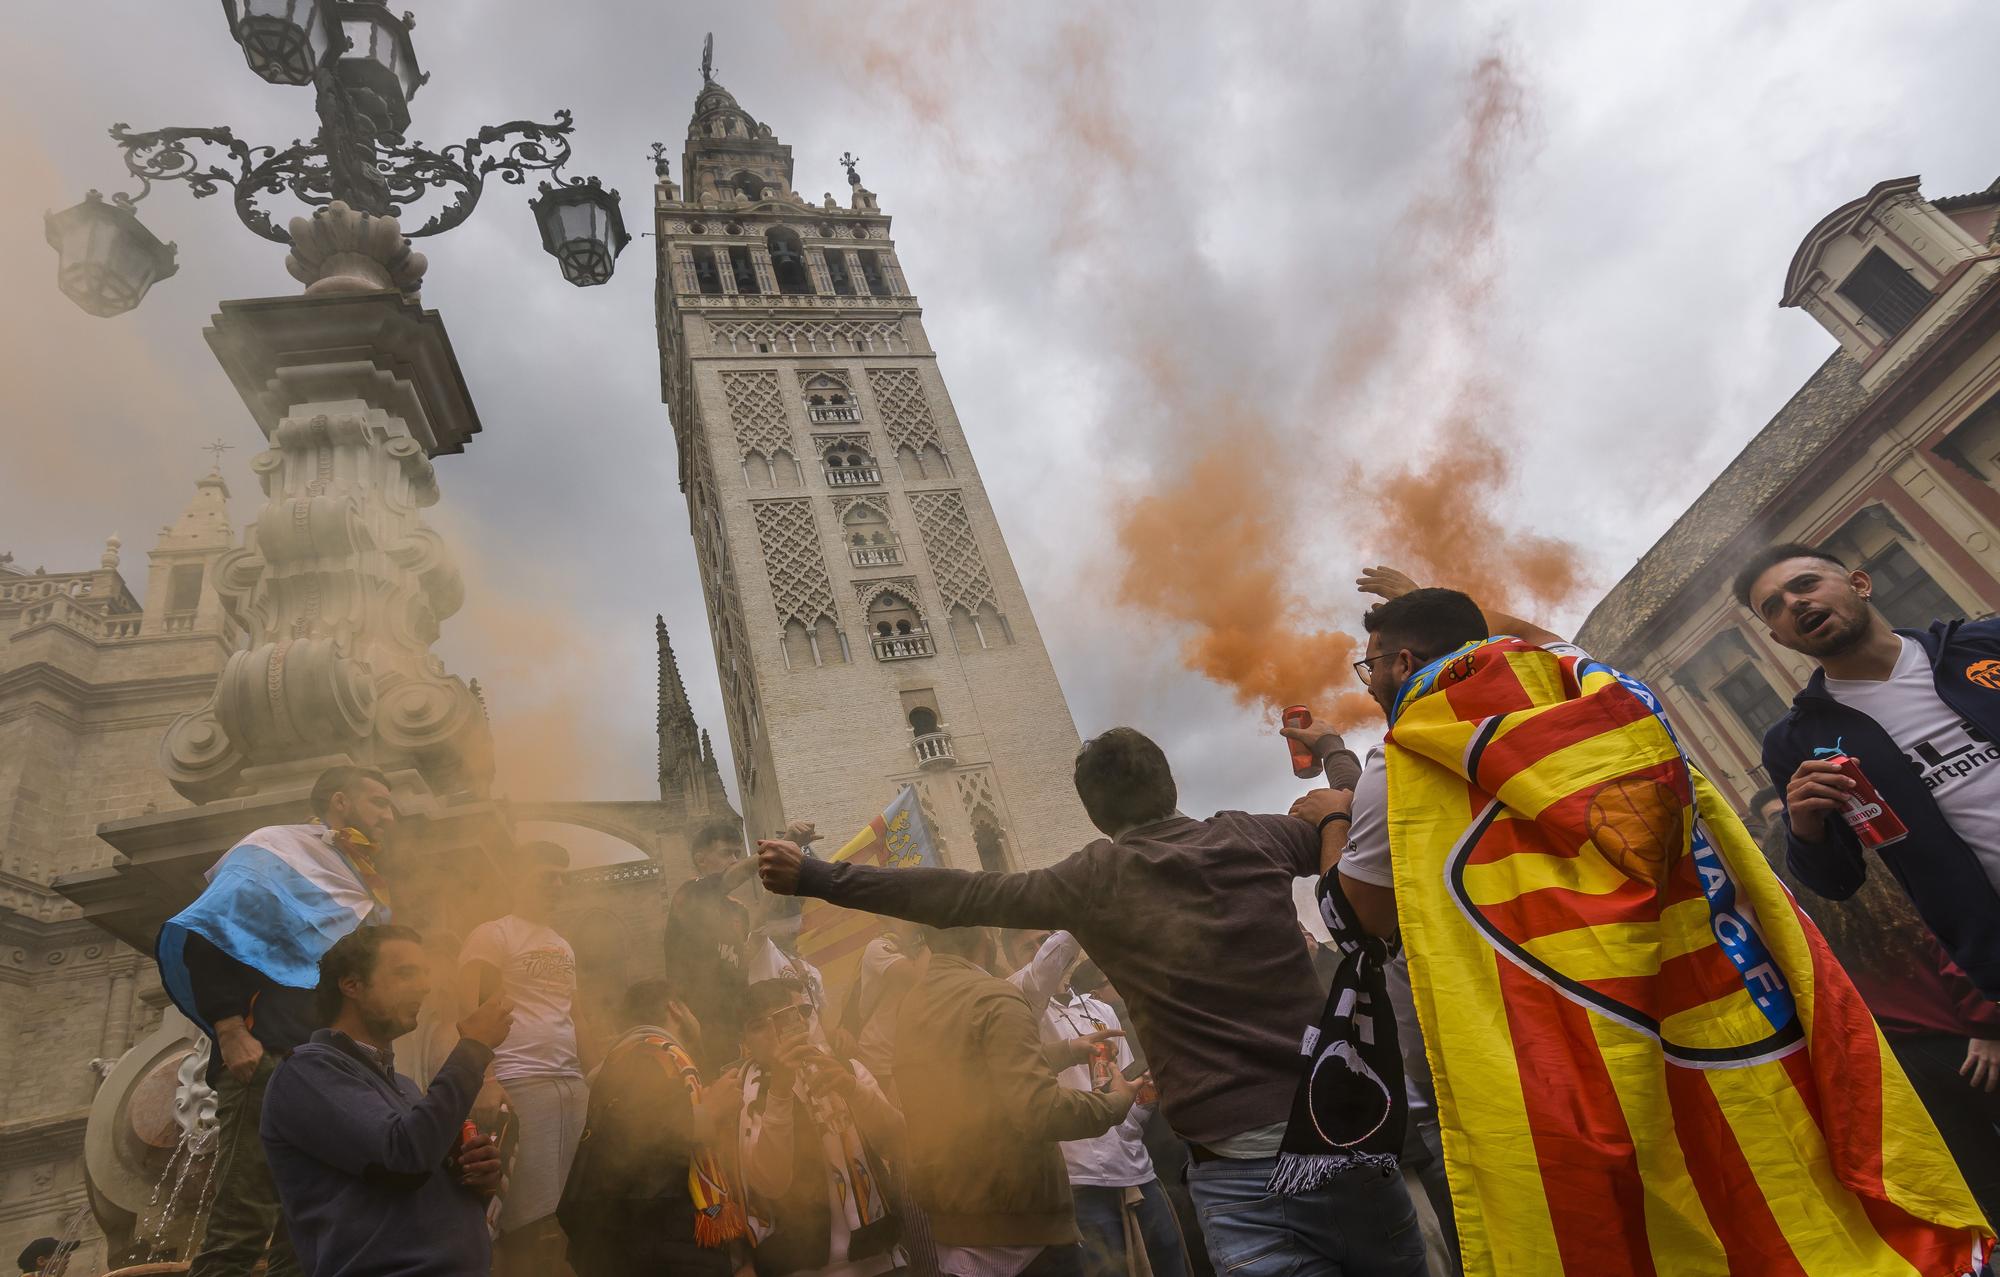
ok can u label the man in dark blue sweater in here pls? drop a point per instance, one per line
(1920, 712)
(369, 1169)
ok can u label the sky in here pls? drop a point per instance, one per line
(1231, 302)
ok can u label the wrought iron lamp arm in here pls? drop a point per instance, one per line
(374, 178)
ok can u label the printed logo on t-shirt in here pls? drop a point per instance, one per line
(1952, 755)
(551, 968)
(1985, 673)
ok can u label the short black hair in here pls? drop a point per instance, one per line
(1429, 622)
(1124, 780)
(960, 942)
(646, 1002)
(39, 1249)
(354, 954)
(335, 779)
(1765, 795)
(1772, 555)
(540, 852)
(724, 830)
(766, 996)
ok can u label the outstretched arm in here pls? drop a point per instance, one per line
(1056, 897)
(1388, 583)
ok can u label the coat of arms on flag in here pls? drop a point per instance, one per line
(832, 938)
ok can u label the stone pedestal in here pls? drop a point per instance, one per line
(340, 585)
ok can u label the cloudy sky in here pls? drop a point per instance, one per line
(1207, 282)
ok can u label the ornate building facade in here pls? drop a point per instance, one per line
(89, 680)
(1889, 455)
(869, 626)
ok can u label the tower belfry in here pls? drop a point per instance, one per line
(870, 629)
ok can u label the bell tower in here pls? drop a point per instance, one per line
(869, 627)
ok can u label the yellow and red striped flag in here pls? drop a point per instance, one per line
(1647, 1061)
(832, 938)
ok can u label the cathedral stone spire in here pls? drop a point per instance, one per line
(688, 775)
(730, 158)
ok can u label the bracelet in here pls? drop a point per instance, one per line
(1332, 816)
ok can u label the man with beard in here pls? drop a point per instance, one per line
(1920, 712)
(242, 962)
(371, 1171)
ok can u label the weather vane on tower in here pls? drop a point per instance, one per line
(708, 58)
(218, 448)
(848, 160)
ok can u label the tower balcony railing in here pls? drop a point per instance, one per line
(875, 556)
(933, 749)
(903, 647)
(853, 476)
(834, 414)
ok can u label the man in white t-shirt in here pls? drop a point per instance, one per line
(1919, 712)
(539, 1071)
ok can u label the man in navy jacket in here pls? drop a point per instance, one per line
(369, 1169)
(1920, 712)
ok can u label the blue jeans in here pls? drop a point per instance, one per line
(1360, 1224)
(1100, 1216)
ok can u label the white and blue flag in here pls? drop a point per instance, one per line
(275, 902)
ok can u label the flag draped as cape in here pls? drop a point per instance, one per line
(1646, 1059)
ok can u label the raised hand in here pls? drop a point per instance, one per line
(778, 864)
(490, 1022)
(1384, 582)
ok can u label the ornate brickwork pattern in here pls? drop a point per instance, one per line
(841, 505)
(975, 789)
(807, 336)
(790, 540)
(899, 393)
(904, 587)
(962, 578)
(757, 412)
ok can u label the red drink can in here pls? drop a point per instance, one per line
(1866, 814)
(1303, 763)
(468, 1133)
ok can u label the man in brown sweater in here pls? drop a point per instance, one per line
(1194, 921)
(984, 1114)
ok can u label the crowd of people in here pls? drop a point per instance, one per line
(1137, 1061)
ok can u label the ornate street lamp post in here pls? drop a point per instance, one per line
(360, 61)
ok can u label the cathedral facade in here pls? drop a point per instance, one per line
(870, 629)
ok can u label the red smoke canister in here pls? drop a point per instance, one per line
(1866, 814)
(1303, 762)
(468, 1133)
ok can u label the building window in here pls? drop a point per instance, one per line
(1886, 293)
(184, 588)
(871, 273)
(1751, 699)
(788, 261)
(836, 270)
(1904, 592)
(707, 279)
(743, 269)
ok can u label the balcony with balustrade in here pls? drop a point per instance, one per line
(934, 750)
(858, 474)
(903, 647)
(836, 414)
(878, 554)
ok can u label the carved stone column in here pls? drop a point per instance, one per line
(340, 585)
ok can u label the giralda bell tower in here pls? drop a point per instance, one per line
(870, 629)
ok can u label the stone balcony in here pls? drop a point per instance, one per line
(875, 556)
(853, 476)
(903, 647)
(933, 750)
(833, 414)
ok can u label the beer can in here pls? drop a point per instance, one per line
(1866, 814)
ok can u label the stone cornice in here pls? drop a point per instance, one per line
(45, 676)
(42, 1139)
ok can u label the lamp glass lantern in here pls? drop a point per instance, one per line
(581, 228)
(106, 259)
(284, 41)
(379, 67)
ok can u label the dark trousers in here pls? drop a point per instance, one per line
(1964, 1116)
(245, 1221)
(1359, 1224)
(1100, 1216)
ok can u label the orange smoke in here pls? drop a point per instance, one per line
(1214, 553)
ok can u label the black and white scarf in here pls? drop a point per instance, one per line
(1350, 1108)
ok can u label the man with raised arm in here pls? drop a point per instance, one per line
(1180, 914)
